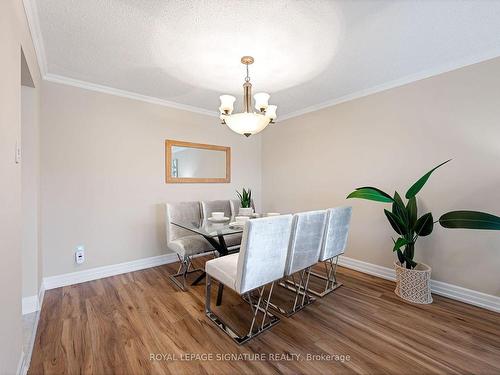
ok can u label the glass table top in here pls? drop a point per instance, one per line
(208, 228)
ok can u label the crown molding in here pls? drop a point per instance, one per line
(31, 10)
(126, 94)
(329, 103)
(455, 65)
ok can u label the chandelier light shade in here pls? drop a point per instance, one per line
(261, 101)
(271, 112)
(227, 104)
(247, 122)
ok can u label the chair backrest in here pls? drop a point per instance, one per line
(305, 241)
(236, 204)
(336, 231)
(263, 252)
(181, 211)
(215, 206)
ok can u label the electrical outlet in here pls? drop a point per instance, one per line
(80, 255)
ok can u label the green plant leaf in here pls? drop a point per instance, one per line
(424, 225)
(395, 222)
(470, 220)
(401, 257)
(399, 209)
(405, 260)
(377, 189)
(371, 193)
(411, 209)
(245, 198)
(409, 262)
(409, 252)
(417, 186)
(399, 243)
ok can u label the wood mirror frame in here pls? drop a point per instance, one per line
(176, 180)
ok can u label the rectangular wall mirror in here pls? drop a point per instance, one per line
(196, 162)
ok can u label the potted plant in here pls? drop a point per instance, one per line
(412, 278)
(246, 202)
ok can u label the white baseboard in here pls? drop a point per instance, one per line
(455, 292)
(19, 370)
(41, 294)
(52, 282)
(27, 356)
(30, 304)
(369, 268)
(469, 296)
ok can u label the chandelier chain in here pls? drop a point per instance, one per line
(247, 78)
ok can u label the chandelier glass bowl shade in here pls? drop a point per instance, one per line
(247, 122)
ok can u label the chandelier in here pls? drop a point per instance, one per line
(247, 122)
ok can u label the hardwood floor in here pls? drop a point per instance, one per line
(114, 325)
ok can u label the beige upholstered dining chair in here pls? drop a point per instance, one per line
(183, 242)
(233, 241)
(215, 206)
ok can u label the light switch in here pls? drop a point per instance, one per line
(18, 153)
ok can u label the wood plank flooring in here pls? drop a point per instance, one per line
(115, 325)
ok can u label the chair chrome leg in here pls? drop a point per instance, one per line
(300, 289)
(256, 308)
(208, 290)
(330, 279)
(183, 271)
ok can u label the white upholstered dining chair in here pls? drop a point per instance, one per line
(334, 244)
(260, 262)
(303, 252)
(183, 242)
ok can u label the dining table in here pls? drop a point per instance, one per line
(214, 232)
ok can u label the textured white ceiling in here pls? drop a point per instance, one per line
(308, 52)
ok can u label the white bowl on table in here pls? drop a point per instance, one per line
(218, 217)
(239, 221)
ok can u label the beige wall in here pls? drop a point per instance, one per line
(30, 184)
(14, 33)
(103, 174)
(389, 140)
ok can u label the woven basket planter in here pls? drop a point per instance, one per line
(414, 285)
